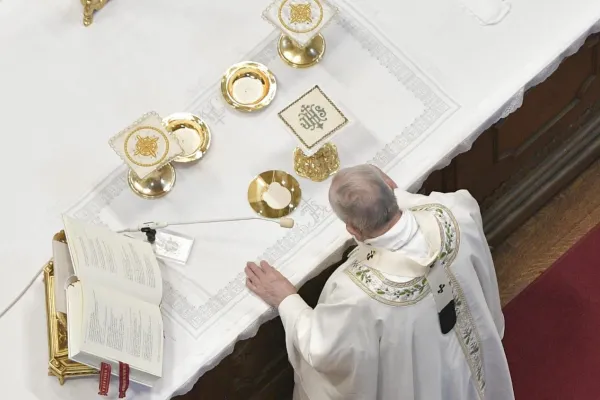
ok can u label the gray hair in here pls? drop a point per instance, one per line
(360, 197)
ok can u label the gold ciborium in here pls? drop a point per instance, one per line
(301, 44)
(319, 166)
(301, 57)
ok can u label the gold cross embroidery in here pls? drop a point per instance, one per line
(146, 146)
(300, 13)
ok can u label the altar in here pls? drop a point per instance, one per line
(433, 97)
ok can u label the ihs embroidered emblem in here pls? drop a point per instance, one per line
(146, 146)
(300, 13)
(312, 116)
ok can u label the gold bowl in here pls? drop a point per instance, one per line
(261, 186)
(248, 86)
(197, 146)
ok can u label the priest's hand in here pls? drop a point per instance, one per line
(268, 283)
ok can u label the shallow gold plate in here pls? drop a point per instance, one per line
(155, 185)
(248, 86)
(260, 185)
(175, 122)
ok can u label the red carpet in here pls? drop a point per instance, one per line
(552, 337)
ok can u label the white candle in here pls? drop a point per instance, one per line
(189, 140)
(247, 90)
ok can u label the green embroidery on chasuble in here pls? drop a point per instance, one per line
(373, 283)
(384, 290)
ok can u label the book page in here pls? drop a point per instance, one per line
(107, 258)
(121, 328)
(63, 270)
(74, 300)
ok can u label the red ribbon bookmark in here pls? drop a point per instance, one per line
(104, 379)
(123, 379)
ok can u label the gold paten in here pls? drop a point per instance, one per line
(89, 8)
(260, 185)
(318, 167)
(59, 364)
(253, 70)
(301, 57)
(157, 184)
(186, 120)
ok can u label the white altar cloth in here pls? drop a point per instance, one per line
(74, 87)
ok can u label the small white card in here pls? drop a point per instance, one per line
(300, 20)
(173, 246)
(145, 146)
(313, 119)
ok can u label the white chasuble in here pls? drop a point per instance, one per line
(374, 337)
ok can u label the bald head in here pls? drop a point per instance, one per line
(363, 198)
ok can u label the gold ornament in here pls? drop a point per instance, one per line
(89, 8)
(300, 13)
(146, 146)
(318, 167)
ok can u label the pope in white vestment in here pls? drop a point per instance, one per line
(386, 326)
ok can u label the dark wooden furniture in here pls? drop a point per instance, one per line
(522, 161)
(512, 169)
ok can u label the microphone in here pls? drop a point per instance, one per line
(285, 222)
(149, 228)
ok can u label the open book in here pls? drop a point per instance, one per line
(113, 312)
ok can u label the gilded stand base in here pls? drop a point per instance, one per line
(59, 364)
(299, 57)
(320, 165)
(155, 185)
(89, 8)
